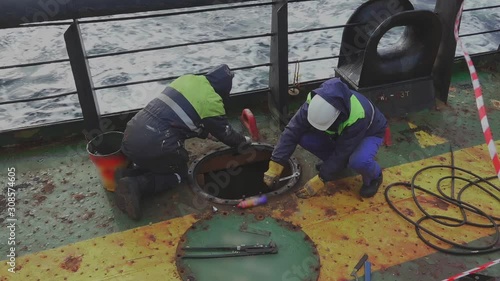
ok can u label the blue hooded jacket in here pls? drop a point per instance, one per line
(339, 95)
(176, 115)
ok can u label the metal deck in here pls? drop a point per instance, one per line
(69, 229)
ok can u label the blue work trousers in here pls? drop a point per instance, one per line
(362, 160)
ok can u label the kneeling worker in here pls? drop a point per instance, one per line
(191, 106)
(339, 126)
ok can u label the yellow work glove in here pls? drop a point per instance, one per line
(272, 175)
(310, 188)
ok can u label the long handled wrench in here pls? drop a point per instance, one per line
(358, 266)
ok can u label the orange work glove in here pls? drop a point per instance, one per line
(271, 176)
(310, 188)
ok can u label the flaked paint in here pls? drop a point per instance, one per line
(46, 224)
(426, 139)
(342, 225)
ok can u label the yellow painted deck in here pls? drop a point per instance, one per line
(342, 225)
(69, 229)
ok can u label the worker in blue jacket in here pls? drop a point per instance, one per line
(342, 128)
(191, 106)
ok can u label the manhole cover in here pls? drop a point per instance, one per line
(296, 257)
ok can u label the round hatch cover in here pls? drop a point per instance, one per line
(279, 250)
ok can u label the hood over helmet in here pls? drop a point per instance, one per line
(338, 95)
(221, 79)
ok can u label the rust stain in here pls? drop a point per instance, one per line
(72, 263)
(290, 207)
(332, 189)
(151, 237)
(361, 241)
(79, 196)
(329, 212)
(87, 215)
(436, 202)
(432, 269)
(496, 103)
(197, 216)
(48, 188)
(39, 198)
(391, 244)
(409, 212)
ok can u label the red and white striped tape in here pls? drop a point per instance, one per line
(488, 136)
(474, 270)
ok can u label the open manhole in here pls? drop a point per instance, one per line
(226, 176)
(246, 247)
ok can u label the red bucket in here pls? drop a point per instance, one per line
(104, 151)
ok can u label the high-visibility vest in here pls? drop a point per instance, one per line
(191, 98)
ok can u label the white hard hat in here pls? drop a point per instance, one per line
(321, 114)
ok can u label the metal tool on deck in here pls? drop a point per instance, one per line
(360, 263)
(230, 251)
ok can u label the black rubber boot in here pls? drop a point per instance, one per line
(166, 182)
(129, 192)
(128, 172)
(368, 191)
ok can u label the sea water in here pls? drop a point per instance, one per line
(25, 45)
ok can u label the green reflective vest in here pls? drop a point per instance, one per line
(357, 112)
(200, 93)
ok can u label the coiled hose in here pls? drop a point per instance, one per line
(474, 181)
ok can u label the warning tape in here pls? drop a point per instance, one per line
(488, 136)
(474, 270)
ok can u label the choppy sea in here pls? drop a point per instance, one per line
(26, 45)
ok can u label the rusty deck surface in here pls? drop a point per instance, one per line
(342, 225)
(69, 229)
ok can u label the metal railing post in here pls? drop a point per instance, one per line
(83, 80)
(278, 73)
(447, 11)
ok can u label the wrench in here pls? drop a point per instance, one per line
(294, 175)
(358, 266)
